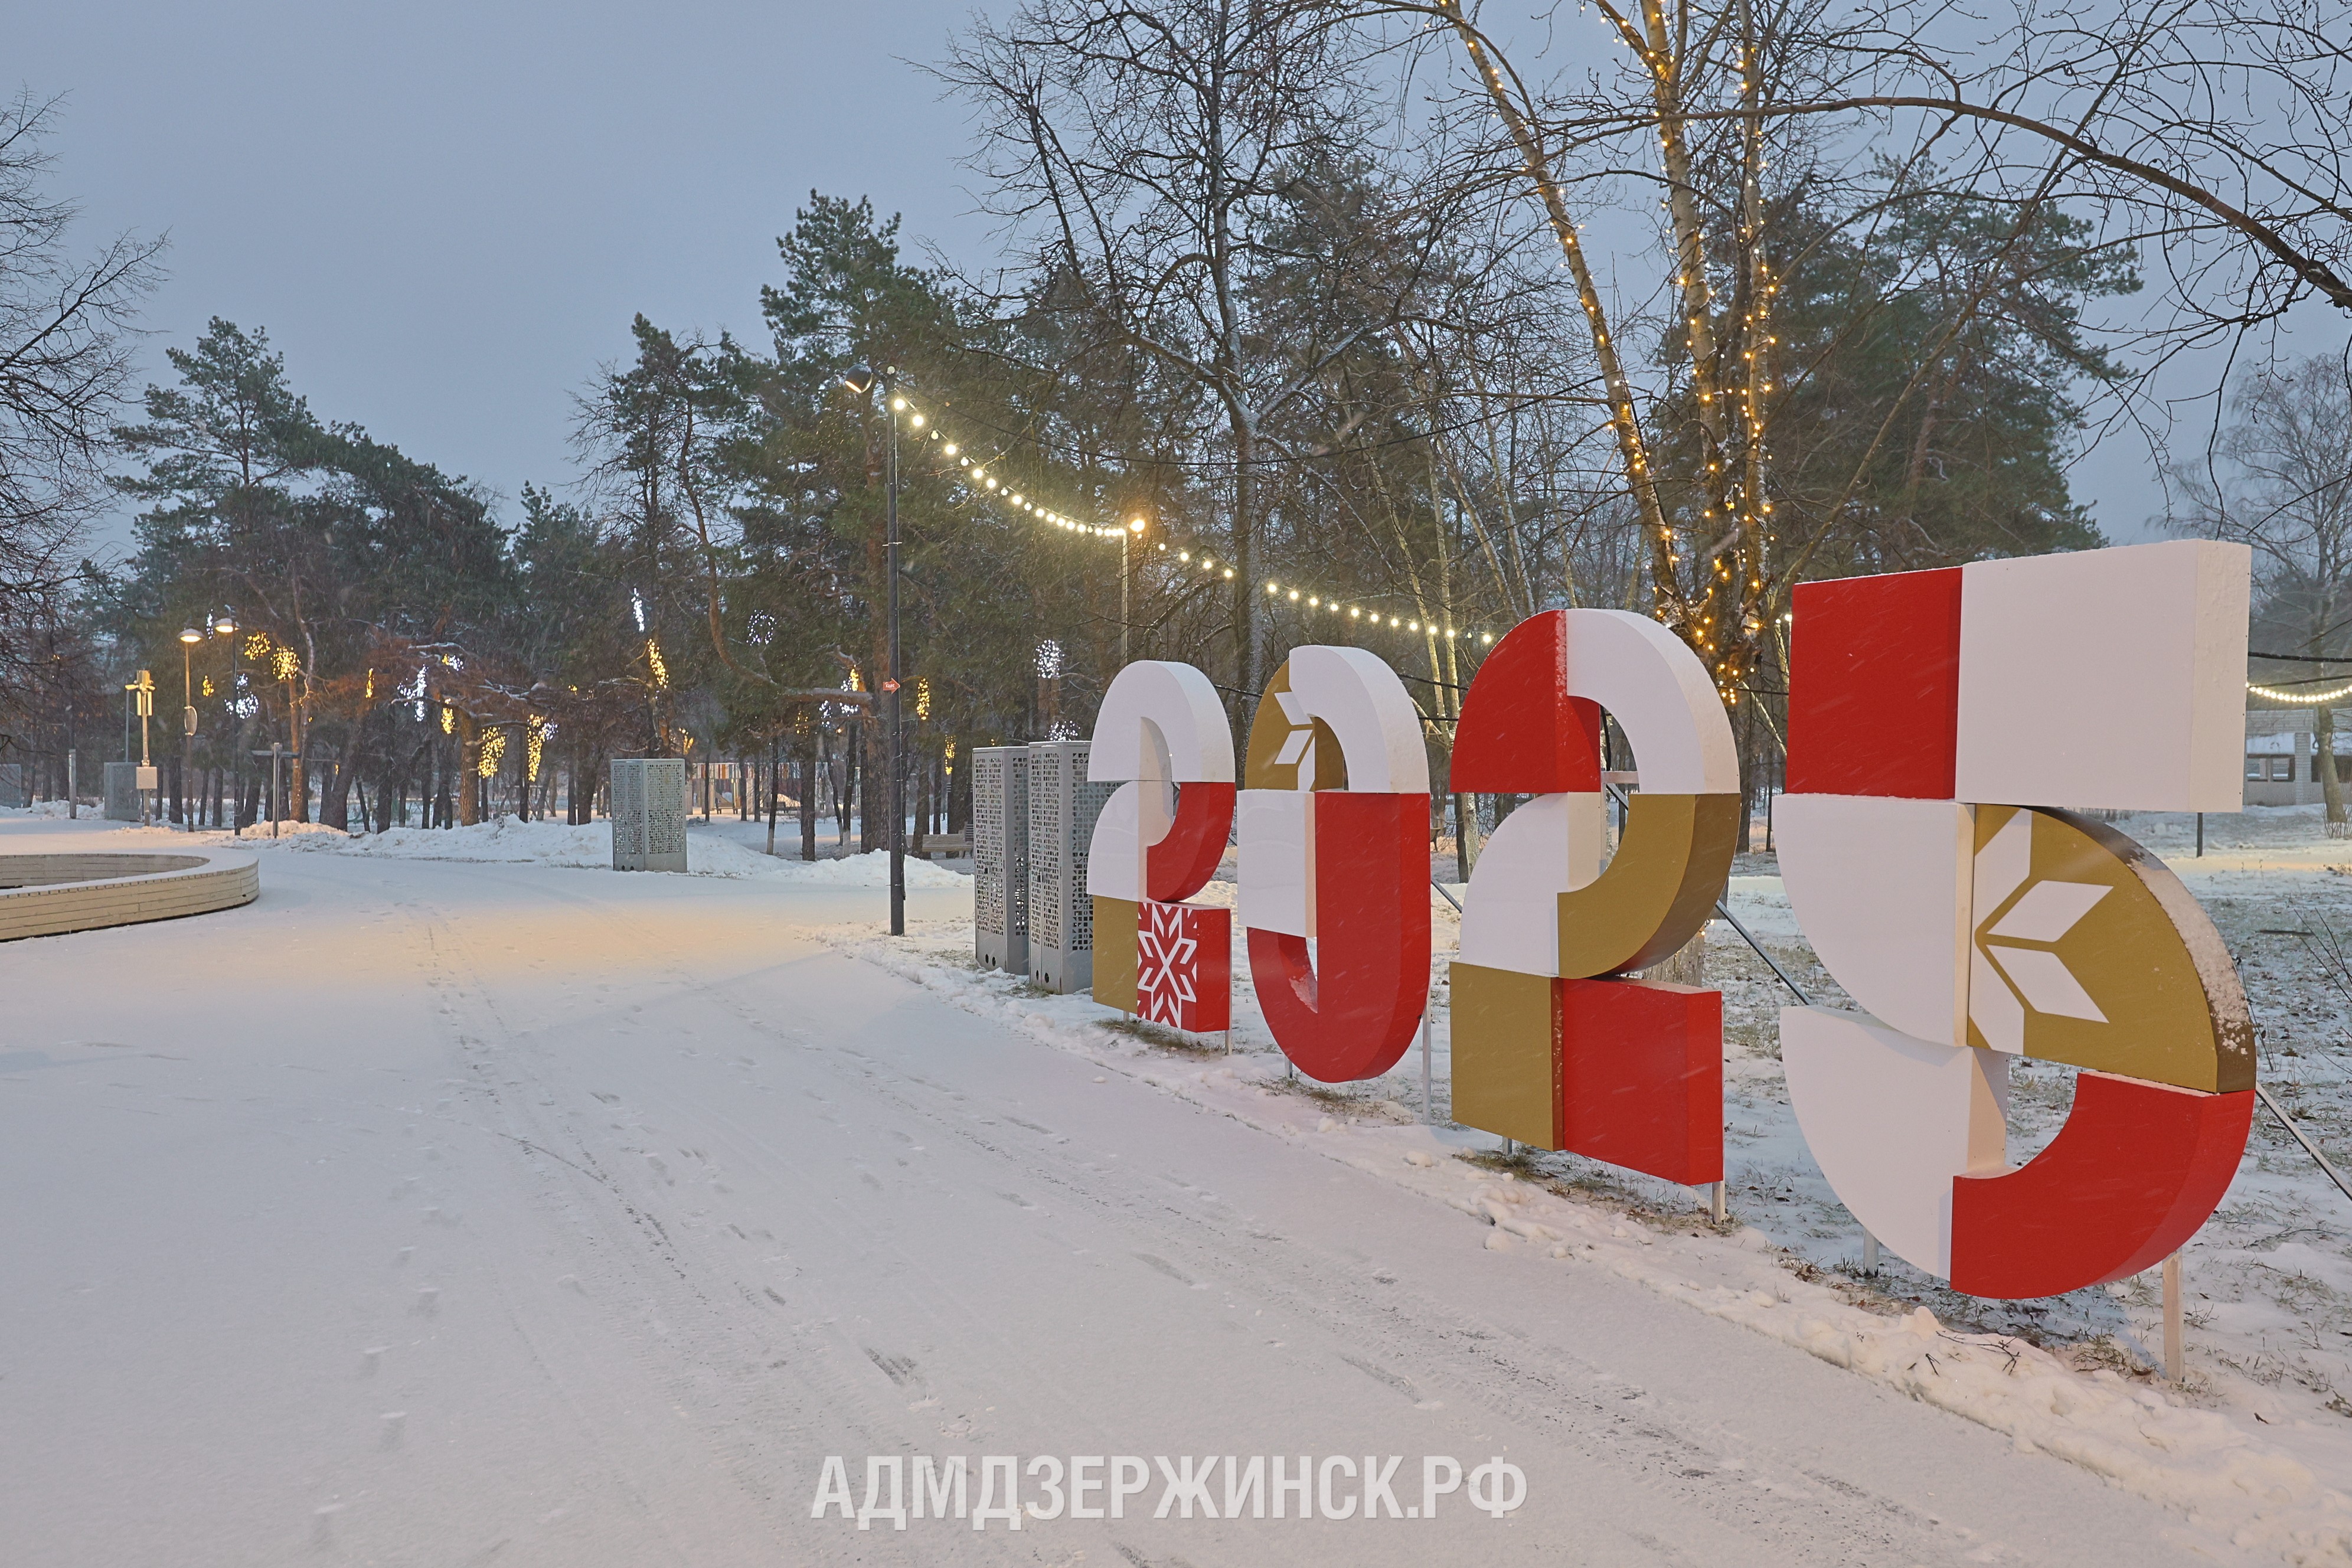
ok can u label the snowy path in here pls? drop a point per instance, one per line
(434, 1212)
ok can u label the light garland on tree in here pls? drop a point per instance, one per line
(982, 485)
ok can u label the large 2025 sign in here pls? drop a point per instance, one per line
(1944, 728)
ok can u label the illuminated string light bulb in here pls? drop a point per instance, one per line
(2299, 698)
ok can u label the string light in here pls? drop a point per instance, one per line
(984, 486)
(2302, 699)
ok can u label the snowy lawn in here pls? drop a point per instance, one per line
(2257, 1443)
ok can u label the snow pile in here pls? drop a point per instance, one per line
(2253, 1446)
(511, 841)
(47, 809)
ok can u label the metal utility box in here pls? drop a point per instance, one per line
(122, 792)
(1000, 856)
(1063, 806)
(649, 813)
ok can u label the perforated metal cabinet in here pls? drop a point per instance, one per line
(1000, 856)
(122, 792)
(1063, 806)
(649, 813)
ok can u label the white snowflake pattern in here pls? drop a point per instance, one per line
(1167, 964)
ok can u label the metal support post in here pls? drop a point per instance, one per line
(2172, 1318)
(1428, 1105)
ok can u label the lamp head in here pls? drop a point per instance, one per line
(859, 378)
(226, 625)
(190, 635)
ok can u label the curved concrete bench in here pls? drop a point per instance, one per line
(42, 895)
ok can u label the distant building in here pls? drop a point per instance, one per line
(2282, 763)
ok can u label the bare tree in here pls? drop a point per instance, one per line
(65, 363)
(2010, 177)
(1144, 157)
(2280, 480)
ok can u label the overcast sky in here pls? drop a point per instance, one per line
(446, 214)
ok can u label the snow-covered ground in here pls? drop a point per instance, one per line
(722, 849)
(2257, 1441)
(518, 1211)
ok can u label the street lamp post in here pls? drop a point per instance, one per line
(861, 380)
(224, 625)
(144, 779)
(189, 638)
